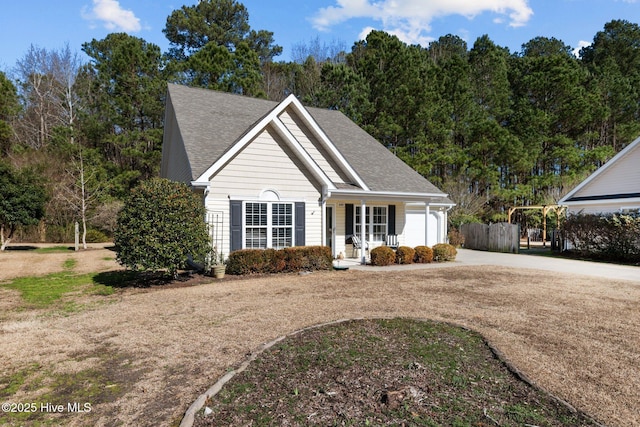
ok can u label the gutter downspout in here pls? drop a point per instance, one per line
(323, 214)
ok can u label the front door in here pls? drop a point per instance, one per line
(330, 237)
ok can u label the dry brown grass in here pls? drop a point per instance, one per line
(575, 336)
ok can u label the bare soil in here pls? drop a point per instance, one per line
(154, 350)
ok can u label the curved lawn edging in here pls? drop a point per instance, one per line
(188, 419)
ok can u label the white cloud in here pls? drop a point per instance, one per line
(581, 44)
(112, 16)
(411, 19)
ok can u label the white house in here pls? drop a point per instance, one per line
(279, 174)
(614, 187)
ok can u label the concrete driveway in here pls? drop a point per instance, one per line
(560, 265)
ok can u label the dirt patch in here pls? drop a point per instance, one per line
(574, 336)
(23, 260)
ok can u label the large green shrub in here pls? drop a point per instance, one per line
(444, 252)
(424, 254)
(405, 255)
(22, 200)
(382, 255)
(612, 237)
(160, 225)
(251, 261)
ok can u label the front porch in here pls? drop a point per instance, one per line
(411, 222)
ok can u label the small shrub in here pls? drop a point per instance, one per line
(95, 236)
(443, 252)
(456, 238)
(255, 261)
(424, 255)
(307, 258)
(274, 260)
(405, 255)
(382, 255)
(247, 261)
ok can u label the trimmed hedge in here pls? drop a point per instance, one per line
(610, 237)
(405, 255)
(424, 255)
(382, 255)
(256, 261)
(443, 252)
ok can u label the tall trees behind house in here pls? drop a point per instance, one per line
(213, 46)
(514, 128)
(123, 87)
(613, 59)
(46, 82)
(494, 128)
(9, 109)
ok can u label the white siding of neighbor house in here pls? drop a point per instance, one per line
(622, 177)
(312, 146)
(266, 164)
(600, 207)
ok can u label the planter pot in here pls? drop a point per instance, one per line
(218, 271)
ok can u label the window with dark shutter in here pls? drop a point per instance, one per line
(300, 224)
(235, 207)
(391, 226)
(348, 220)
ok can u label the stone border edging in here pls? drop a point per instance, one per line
(189, 416)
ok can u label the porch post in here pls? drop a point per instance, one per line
(363, 232)
(323, 220)
(445, 238)
(427, 212)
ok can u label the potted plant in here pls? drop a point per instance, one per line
(219, 267)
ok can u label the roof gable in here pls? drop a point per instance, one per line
(215, 126)
(619, 178)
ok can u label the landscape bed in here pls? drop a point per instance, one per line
(382, 372)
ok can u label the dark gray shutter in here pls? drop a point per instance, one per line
(348, 220)
(235, 224)
(391, 220)
(300, 222)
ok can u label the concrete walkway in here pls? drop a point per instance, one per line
(560, 265)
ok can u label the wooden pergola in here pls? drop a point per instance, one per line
(558, 209)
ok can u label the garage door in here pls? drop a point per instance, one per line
(414, 230)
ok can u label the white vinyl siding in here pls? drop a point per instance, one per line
(622, 177)
(266, 164)
(603, 207)
(319, 155)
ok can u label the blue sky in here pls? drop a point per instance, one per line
(51, 24)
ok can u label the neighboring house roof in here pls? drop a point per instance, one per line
(213, 124)
(618, 179)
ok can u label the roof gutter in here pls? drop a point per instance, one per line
(386, 195)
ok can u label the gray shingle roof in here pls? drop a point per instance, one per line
(210, 122)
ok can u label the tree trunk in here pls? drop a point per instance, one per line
(4, 242)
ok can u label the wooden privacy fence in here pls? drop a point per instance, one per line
(500, 237)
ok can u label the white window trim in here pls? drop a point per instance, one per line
(269, 225)
(369, 221)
